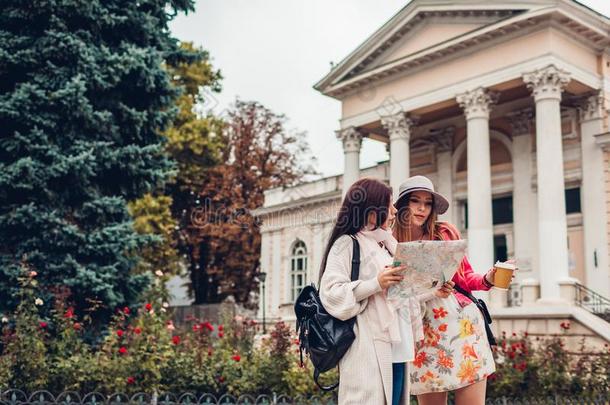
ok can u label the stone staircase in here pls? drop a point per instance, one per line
(586, 312)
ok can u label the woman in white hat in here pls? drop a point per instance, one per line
(454, 354)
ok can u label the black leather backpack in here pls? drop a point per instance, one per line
(324, 337)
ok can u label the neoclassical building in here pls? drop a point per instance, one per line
(504, 105)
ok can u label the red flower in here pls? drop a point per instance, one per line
(123, 350)
(208, 326)
(209, 352)
(439, 312)
(148, 306)
(119, 333)
(220, 334)
(565, 325)
(43, 324)
(442, 327)
(77, 326)
(69, 313)
(221, 379)
(137, 330)
(236, 357)
(126, 311)
(220, 328)
(131, 380)
(176, 340)
(420, 358)
(196, 328)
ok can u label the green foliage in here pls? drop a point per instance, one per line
(26, 353)
(152, 216)
(143, 351)
(527, 367)
(84, 98)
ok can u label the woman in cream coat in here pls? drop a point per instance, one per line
(366, 370)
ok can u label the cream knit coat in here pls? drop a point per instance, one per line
(366, 369)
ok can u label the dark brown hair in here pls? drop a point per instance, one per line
(363, 197)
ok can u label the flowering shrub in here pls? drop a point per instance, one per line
(143, 351)
(540, 367)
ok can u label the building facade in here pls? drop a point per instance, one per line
(504, 105)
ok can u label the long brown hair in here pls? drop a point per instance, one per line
(402, 224)
(363, 197)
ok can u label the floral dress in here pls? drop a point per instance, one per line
(455, 351)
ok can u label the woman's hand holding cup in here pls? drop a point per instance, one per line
(390, 275)
(502, 274)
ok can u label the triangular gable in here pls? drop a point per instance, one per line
(425, 35)
(420, 25)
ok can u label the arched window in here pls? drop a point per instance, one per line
(298, 269)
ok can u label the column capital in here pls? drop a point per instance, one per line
(443, 138)
(603, 141)
(547, 83)
(591, 106)
(477, 103)
(521, 121)
(399, 125)
(351, 138)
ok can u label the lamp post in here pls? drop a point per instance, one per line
(262, 276)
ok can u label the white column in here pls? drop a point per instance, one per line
(399, 131)
(477, 104)
(273, 282)
(444, 149)
(546, 85)
(594, 196)
(265, 260)
(524, 199)
(352, 142)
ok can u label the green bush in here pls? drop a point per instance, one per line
(527, 367)
(142, 351)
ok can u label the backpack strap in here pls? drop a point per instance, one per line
(355, 259)
(480, 304)
(316, 375)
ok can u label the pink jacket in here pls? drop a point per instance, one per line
(464, 277)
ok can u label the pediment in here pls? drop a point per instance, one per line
(425, 29)
(425, 35)
(420, 25)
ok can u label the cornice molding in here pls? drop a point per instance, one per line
(557, 17)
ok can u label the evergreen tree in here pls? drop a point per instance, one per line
(84, 97)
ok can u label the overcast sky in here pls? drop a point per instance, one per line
(274, 51)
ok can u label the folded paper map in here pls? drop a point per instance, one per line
(429, 265)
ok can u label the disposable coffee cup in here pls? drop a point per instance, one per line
(503, 275)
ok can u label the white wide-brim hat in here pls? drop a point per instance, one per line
(422, 183)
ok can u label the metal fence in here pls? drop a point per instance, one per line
(17, 397)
